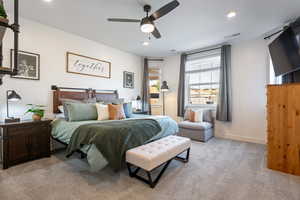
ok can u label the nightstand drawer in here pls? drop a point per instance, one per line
(27, 129)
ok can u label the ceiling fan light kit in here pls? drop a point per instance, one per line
(147, 23)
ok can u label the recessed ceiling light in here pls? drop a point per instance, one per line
(231, 15)
(146, 43)
(47, 0)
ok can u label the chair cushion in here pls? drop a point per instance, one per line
(150, 156)
(195, 125)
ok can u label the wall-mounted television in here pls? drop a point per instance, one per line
(285, 51)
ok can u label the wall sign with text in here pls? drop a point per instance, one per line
(84, 65)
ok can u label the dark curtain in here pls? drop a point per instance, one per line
(225, 91)
(181, 88)
(145, 93)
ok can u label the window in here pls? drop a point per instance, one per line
(202, 77)
(154, 83)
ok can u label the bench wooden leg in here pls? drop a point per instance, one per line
(148, 181)
(153, 184)
(186, 159)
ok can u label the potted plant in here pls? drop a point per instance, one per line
(3, 20)
(37, 110)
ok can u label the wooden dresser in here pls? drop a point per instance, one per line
(283, 111)
(24, 141)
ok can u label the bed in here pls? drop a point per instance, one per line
(62, 130)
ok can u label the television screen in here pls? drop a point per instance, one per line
(285, 52)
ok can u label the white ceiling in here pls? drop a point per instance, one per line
(194, 24)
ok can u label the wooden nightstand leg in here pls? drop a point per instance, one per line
(5, 148)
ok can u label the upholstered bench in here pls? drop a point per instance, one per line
(200, 131)
(153, 155)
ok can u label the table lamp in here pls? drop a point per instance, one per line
(11, 96)
(164, 88)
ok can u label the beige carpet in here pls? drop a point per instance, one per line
(218, 170)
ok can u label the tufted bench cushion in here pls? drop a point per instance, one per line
(152, 155)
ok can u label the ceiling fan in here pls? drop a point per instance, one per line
(147, 23)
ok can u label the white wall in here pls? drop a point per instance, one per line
(170, 73)
(249, 78)
(52, 45)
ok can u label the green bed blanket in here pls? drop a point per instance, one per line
(114, 138)
(63, 131)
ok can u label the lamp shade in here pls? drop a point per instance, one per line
(13, 96)
(164, 87)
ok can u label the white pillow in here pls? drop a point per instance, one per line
(102, 111)
(61, 109)
(199, 115)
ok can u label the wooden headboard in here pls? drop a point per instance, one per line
(60, 93)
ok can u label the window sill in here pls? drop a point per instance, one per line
(212, 106)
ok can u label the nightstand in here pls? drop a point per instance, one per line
(24, 141)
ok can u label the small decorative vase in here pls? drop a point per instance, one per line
(36, 117)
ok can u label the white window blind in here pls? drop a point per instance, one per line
(202, 77)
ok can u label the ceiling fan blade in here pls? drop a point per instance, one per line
(123, 20)
(164, 10)
(156, 33)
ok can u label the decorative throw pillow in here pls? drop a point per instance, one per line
(187, 114)
(102, 111)
(128, 110)
(208, 115)
(61, 109)
(81, 111)
(64, 101)
(196, 116)
(116, 112)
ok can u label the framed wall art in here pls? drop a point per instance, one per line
(128, 79)
(79, 64)
(28, 65)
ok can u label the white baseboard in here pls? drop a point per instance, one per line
(241, 138)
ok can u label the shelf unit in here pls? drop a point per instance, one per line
(15, 27)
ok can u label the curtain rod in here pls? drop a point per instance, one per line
(203, 51)
(271, 35)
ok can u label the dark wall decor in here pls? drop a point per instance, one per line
(78, 64)
(128, 79)
(28, 65)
